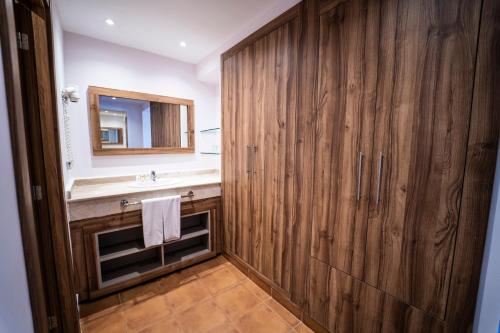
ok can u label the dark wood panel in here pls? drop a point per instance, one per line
(305, 143)
(165, 125)
(83, 244)
(342, 303)
(236, 167)
(479, 174)
(425, 80)
(79, 263)
(347, 78)
(274, 132)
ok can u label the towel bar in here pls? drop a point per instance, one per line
(124, 203)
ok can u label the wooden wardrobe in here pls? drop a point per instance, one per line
(359, 146)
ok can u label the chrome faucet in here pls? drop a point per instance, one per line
(153, 176)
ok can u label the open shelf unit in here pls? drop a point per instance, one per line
(122, 255)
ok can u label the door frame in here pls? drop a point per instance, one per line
(66, 318)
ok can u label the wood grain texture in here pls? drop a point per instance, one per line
(165, 125)
(274, 133)
(346, 95)
(260, 111)
(237, 93)
(53, 175)
(425, 81)
(342, 303)
(79, 263)
(85, 258)
(305, 143)
(21, 156)
(479, 174)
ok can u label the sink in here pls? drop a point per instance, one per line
(156, 183)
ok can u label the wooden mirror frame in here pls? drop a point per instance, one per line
(93, 94)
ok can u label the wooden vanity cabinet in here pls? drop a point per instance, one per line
(109, 254)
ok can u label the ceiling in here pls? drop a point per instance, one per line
(158, 26)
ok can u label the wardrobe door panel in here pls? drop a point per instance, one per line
(343, 304)
(274, 132)
(347, 77)
(425, 81)
(236, 158)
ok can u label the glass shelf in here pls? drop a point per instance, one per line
(210, 143)
(210, 130)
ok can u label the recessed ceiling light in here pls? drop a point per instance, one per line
(110, 22)
(183, 44)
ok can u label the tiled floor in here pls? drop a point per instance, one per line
(210, 297)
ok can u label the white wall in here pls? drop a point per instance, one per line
(88, 61)
(58, 44)
(487, 317)
(15, 309)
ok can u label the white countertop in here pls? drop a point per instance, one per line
(98, 188)
(96, 197)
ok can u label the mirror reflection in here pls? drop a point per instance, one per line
(133, 123)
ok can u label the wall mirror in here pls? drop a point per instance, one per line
(126, 123)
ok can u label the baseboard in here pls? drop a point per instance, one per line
(275, 292)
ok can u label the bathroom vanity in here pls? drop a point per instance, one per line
(106, 229)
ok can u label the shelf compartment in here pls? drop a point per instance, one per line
(195, 222)
(123, 268)
(118, 243)
(186, 249)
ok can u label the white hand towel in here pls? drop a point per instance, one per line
(172, 218)
(152, 221)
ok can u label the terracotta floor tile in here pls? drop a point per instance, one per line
(302, 328)
(219, 280)
(112, 323)
(144, 314)
(236, 301)
(209, 266)
(263, 320)
(213, 298)
(169, 324)
(140, 292)
(239, 274)
(169, 282)
(202, 317)
(255, 289)
(224, 328)
(185, 296)
(286, 315)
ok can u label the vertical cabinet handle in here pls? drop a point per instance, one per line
(249, 158)
(379, 176)
(358, 182)
(251, 150)
(254, 158)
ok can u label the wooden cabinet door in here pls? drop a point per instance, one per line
(236, 155)
(342, 303)
(425, 81)
(274, 135)
(346, 87)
